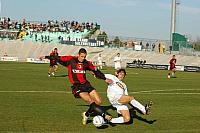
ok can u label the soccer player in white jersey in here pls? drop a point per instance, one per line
(117, 61)
(117, 94)
(100, 62)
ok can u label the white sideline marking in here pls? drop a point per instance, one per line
(152, 91)
(149, 92)
(34, 92)
(169, 93)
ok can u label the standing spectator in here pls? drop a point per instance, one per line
(141, 43)
(42, 37)
(147, 46)
(159, 46)
(117, 61)
(170, 49)
(163, 47)
(100, 62)
(153, 46)
(36, 37)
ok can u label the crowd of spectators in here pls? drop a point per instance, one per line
(139, 61)
(50, 25)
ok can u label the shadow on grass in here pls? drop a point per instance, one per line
(133, 114)
(63, 75)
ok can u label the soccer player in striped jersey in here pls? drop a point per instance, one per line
(172, 68)
(53, 63)
(81, 87)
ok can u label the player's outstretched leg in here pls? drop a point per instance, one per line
(138, 106)
(94, 108)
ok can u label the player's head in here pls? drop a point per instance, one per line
(82, 53)
(174, 56)
(55, 49)
(120, 74)
(118, 54)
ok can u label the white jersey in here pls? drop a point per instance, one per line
(100, 60)
(117, 87)
(117, 61)
(115, 91)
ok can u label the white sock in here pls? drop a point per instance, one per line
(138, 105)
(117, 120)
(172, 74)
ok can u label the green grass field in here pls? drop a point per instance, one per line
(30, 101)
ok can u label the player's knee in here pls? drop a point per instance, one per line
(98, 102)
(131, 98)
(90, 101)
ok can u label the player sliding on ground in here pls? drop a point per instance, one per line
(117, 94)
(81, 87)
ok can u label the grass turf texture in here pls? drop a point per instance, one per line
(50, 106)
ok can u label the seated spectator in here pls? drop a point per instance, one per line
(134, 61)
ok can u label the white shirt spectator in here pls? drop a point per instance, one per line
(100, 62)
(117, 61)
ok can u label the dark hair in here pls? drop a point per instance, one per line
(121, 70)
(55, 49)
(82, 50)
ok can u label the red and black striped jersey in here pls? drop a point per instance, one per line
(77, 70)
(172, 61)
(53, 60)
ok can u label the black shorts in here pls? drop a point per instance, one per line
(171, 67)
(78, 88)
(53, 64)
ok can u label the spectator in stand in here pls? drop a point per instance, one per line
(100, 62)
(117, 61)
(153, 46)
(147, 46)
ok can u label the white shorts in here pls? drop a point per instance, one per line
(114, 101)
(117, 65)
(100, 63)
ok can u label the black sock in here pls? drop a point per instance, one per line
(94, 108)
(90, 110)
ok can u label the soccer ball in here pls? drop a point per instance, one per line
(98, 121)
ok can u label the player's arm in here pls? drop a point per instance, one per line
(98, 73)
(63, 60)
(170, 62)
(126, 91)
